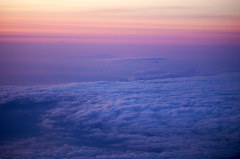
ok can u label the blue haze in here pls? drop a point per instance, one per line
(26, 64)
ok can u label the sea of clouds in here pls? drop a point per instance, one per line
(173, 118)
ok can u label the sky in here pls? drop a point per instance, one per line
(188, 22)
(58, 41)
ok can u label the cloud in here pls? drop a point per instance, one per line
(188, 117)
(172, 12)
(140, 64)
(127, 10)
(147, 59)
(101, 56)
(154, 73)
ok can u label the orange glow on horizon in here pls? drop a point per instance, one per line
(149, 23)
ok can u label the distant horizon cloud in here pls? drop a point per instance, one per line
(62, 62)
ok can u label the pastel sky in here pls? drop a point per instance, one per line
(207, 22)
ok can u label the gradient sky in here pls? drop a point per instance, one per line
(205, 22)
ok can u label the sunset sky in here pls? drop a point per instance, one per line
(205, 22)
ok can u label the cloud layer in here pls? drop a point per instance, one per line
(189, 117)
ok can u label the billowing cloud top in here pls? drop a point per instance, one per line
(188, 117)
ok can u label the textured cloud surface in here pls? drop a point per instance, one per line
(188, 117)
